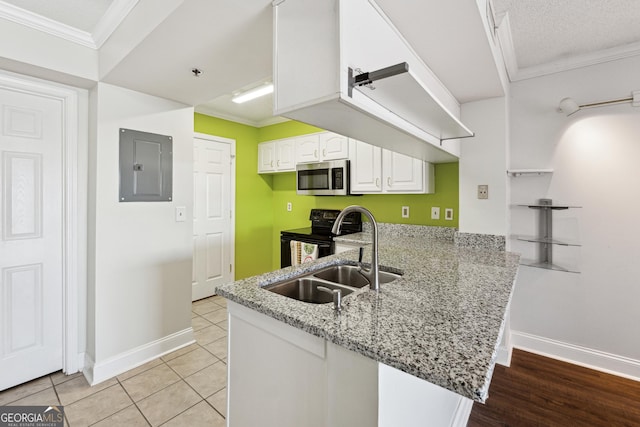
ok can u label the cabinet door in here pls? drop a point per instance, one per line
(285, 155)
(366, 167)
(402, 173)
(266, 157)
(333, 146)
(307, 148)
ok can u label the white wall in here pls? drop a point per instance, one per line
(591, 317)
(483, 160)
(140, 258)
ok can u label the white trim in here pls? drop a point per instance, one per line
(111, 19)
(109, 22)
(232, 202)
(505, 37)
(46, 25)
(462, 413)
(201, 109)
(96, 373)
(578, 355)
(72, 237)
(504, 356)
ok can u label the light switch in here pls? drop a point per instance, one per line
(181, 214)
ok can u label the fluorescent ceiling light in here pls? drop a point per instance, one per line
(253, 93)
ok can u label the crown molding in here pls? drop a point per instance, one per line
(105, 27)
(225, 116)
(516, 73)
(49, 26)
(579, 61)
(111, 19)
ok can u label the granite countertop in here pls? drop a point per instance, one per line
(441, 321)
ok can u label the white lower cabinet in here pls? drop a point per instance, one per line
(280, 376)
(377, 170)
(276, 156)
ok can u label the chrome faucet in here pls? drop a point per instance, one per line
(371, 274)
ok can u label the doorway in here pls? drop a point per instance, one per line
(213, 214)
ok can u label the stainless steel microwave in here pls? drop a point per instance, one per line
(323, 179)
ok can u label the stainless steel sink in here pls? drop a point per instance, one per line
(349, 275)
(306, 289)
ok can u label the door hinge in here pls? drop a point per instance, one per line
(230, 268)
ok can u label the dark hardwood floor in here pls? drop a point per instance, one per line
(538, 391)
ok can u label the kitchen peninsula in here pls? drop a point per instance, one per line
(419, 351)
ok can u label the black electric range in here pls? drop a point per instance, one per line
(319, 233)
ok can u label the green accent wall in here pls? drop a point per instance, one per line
(254, 206)
(261, 200)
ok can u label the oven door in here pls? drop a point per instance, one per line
(325, 248)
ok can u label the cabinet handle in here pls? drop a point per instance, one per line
(315, 153)
(378, 182)
(389, 181)
(271, 163)
(324, 152)
(278, 163)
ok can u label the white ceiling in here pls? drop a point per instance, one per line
(553, 35)
(231, 42)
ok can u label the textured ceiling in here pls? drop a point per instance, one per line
(547, 31)
(81, 14)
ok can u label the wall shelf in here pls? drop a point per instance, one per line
(527, 172)
(545, 239)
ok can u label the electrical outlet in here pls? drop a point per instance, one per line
(448, 214)
(435, 213)
(483, 191)
(289, 206)
(405, 212)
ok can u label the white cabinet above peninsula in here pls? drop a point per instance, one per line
(325, 55)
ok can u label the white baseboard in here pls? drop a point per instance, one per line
(504, 356)
(97, 372)
(463, 412)
(582, 356)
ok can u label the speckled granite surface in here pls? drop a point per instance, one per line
(480, 241)
(440, 322)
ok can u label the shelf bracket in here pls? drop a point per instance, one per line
(369, 77)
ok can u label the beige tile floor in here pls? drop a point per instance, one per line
(183, 388)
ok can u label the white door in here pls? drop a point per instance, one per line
(212, 216)
(31, 282)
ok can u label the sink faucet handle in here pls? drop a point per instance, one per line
(337, 297)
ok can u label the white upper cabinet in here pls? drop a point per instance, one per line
(376, 170)
(317, 75)
(308, 148)
(334, 146)
(267, 157)
(321, 147)
(366, 167)
(403, 174)
(276, 156)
